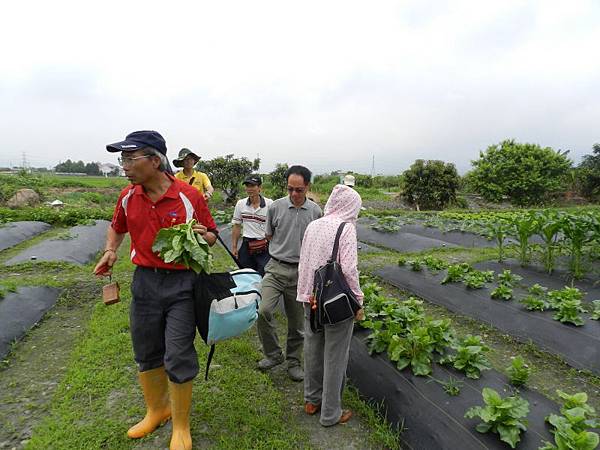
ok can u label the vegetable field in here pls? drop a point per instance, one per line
(491, 332)
(481, 332)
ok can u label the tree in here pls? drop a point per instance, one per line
(278, 180)
(92, 169)
(525, 173)
(588, 175)
(430, 184)
(227, 173)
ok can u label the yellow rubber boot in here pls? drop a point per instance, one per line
(181, 402)
(156, 395)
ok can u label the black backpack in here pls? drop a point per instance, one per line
(332, 301)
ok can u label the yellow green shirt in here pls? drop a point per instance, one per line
(201, 181)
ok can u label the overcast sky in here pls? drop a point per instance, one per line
(327, 84)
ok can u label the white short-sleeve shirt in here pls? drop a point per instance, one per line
(253, 220)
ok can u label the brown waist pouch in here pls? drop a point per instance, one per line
(258, 246)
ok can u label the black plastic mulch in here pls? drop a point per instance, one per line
(400, 241)
(535, 274)
(82, 245)
(459, 238)
(225, 235)
(14, 233)
(366, 248)
(21, 310)
(579, 346)
(431, 419)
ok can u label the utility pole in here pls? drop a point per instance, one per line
(373, 166)
(24, 162)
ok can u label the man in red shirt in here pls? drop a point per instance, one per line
(162, 311)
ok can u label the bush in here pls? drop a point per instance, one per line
(278, 181)
(67, 216)
(227, 173)
(430, 184)
(588, 175)
(525, 173)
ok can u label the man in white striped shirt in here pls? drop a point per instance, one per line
(251, 214)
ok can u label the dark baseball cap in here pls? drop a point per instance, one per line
(253, 179)
(138, 140)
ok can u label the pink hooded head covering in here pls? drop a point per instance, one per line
(344, 203)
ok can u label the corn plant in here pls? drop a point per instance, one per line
(577, 233)
(549, 225)
(523, 227)
(498, 230)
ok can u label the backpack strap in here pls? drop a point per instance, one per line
(336, 244)
(208, 361)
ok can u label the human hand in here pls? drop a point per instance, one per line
(104, 266)
(200, 229)
(360, 315)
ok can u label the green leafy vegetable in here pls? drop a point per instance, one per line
(181, 245)
(538, 290)
(414, 350)
(469, 357)
(518, 371)
(571, 428)
(456, 273)
(505, 416)
(476, 279)
(508, 278)
(502, 292)
(534, 303)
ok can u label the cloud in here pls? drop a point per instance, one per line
(327, 84)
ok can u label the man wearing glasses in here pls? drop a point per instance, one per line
(161, 314)
(287, 219)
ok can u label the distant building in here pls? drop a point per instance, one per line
(108, 168)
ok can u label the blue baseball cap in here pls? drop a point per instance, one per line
(138, 140)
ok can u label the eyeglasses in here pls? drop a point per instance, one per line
(299, 190)
(126, 161)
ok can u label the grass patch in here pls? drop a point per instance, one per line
(99, 396)
(383, 434)
(95, 395)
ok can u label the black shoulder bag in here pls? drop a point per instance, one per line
(332, 300)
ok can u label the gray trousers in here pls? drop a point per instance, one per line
(280, 280)
(325, 362)
(162, 322)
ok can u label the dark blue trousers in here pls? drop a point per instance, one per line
(162, 322)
